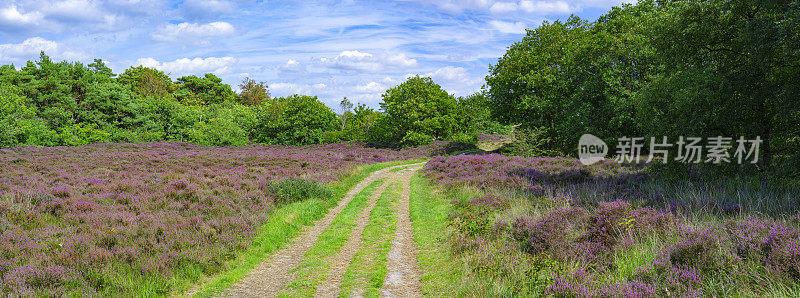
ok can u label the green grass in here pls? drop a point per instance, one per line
(368, 270)
(428, 211)
(313, 270)
(285, 223)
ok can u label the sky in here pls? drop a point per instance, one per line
(330, 49)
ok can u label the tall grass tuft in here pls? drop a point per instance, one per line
(297, 189)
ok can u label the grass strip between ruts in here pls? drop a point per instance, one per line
(314, 267)
(368, 269)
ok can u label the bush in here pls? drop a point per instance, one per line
(529, 142)
(294, 120)
(218, 132)
(18, 122)
(413, 138)
(419, 111)
(295, 189)
(464, 138)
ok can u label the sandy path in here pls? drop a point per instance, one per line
(402, 278)
(407, 265)
(340, 261)
(271, 276)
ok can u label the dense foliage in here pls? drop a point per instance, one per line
(47, 103)
(418, 111)
(667, 68)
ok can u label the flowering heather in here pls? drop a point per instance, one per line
(774, 244)
(495, 170)
(70, 217)
(618, 245)
(474, 216)
(553, 233)
(490, 202)
(615, 220)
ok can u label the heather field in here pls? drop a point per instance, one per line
(552, 226)
(131, 219)
(451, 148)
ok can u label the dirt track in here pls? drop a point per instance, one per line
(271, 277)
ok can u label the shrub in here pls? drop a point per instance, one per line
(18, 122)
(528, 142)
(554, 233)
(699, 250)
(775, 245)
(613, 221)
(296, 189)
(218, 132)
(419, 111)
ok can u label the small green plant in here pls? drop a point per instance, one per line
(295, 189)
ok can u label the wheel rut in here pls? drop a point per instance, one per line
(402, 278)
(271, 277)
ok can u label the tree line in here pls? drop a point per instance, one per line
(50, 103)
(659, 68)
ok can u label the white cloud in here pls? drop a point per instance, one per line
(503, 7)
(361, 61)
(371, 87)
(74, 11)
(285, 89)
(545, 7)
(12, 17)
(456, 80)
(193, 32)
(457, 6)
(292, 65)
(137, 8)
(400, 60)
(508, 28)
(186, 66)
(449, 73)
(31, 47)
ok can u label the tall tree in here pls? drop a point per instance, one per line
(346, 106)
(147, 82)
(418, 112)
(727, 68)
(253, 93)
(565, 79)
(203, 91)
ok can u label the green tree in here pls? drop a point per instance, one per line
(294, 120)
(346, 105)
(566, 79)
(253, 93)
(19, 124)
(417, 112)
(727, 68)
(207, 90)
(475, 116)
(99, 68)
(360, 123)
(147, 82)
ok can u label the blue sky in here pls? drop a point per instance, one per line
(330, 49)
